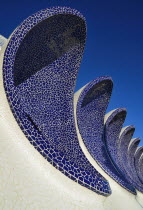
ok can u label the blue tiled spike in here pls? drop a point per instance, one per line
(131, 152)
(113, 126)
(124, 142)
(137, 156)
(140, 168)
(91, 107)
(132, 148)
(40, 68)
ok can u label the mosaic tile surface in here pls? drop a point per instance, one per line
(124, 141)
(138, 154)
(91, 107)
(113, 126)
(140, 169)
(131, 152)
(40, 68)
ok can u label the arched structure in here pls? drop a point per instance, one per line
(39, 80)
(113, 124)
(131, 152)
(56, 147)
(91, 107)
(137, 156)
(140, 168)
(124, 142)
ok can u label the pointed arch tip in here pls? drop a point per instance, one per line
(119, 112)
(138, 151)
(95, 88)
(126, 129)
(134, 141)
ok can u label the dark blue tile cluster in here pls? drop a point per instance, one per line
(40, 69)
(91, 107)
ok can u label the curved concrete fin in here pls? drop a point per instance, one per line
(91, 107)
(113, 123)
(40, 68)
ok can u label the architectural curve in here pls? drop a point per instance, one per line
(39, 79)
(140, 168)
(137, 156)
(131, 151)
(91, 107)
(113, 124)
(124, 142)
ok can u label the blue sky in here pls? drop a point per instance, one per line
(114, 46)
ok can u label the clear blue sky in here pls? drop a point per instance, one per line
(114, 46)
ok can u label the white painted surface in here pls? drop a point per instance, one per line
(3, 42)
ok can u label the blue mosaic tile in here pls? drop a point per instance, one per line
(140, 169)
(113, 126)
(91, 107)
(131, 152)
(39, 70)
(124, 142)
(137, 156)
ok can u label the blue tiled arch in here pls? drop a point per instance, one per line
(113, 126)
(131, 152)
(140, 168)
(137, 156)
(124, 142)
(91, 108)
(42, 102)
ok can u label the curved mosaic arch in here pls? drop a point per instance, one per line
(124, 142)
(131, 150)
(39, 79)
(113, 124)
(137, 156)
(140, 168)
(131, 166)
(91, 106)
